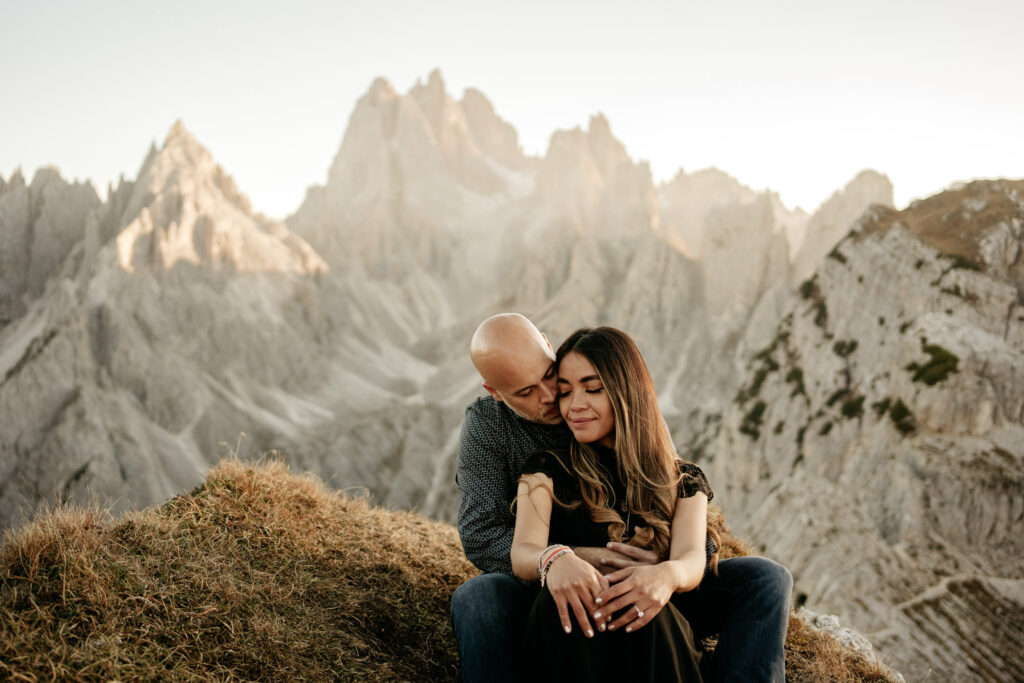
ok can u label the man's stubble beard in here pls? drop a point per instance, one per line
(556, 419)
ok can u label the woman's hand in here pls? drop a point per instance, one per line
(641, 590)
(574, 584)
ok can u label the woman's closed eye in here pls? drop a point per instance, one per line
(563, 394)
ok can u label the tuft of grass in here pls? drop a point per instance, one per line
(940, 364)
(796, 377)
(813, 656)
(259, 573)
(844, 348)
(751, 425)
(853, 407)
(809, 288)
(901, 416)
(837, 255)
(962, 262)
(820, 313)
(881, 407)
(255, 574)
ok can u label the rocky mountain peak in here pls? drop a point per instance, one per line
(185, 207)
(494, 136)
(17, 180)
(40, 223)
(836, 215)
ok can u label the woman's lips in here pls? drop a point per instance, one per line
(581, 422)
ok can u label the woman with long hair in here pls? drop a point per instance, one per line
(619, 480)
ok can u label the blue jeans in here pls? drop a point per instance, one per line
(489, 614)
(747, 605)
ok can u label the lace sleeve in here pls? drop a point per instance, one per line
(693, 481)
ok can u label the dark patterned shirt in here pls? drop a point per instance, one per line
(492, 447)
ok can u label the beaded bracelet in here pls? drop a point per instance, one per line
(545, 554)
(563, 550)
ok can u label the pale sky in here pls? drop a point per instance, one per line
(794, 96)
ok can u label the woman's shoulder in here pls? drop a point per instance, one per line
(553, 462)
(693, 481)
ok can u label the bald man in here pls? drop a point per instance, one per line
(519, 416)
(746, 603)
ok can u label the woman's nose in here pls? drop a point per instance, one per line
(577, 402)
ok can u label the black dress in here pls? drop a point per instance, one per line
(662, 650)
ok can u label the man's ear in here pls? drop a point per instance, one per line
(493, 392)
(547, 341)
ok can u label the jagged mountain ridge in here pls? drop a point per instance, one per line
(364, 332)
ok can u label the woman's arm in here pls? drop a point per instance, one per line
(646, 589)
(533, 520)
(573, 582)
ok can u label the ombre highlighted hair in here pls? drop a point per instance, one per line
(647, 460)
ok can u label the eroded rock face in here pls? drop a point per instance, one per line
(875, 445)
(39, 225)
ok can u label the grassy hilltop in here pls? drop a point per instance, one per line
(259, 574)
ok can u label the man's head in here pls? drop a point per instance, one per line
(516, 363)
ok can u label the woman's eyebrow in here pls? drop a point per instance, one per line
(588, 378)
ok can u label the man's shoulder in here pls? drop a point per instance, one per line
(485, 412)
(484, 406)
(486, 421)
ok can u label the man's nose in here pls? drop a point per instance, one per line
(547, 393)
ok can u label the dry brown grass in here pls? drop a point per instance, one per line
(941, 221)
(258, 574)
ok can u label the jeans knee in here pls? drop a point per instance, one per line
(473, 594)
(777, 580)
(461, 598)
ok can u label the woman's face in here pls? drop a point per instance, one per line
(583, 401)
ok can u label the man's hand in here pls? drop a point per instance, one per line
(615, 556)
(622, 555)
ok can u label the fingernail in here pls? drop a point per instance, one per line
(590, 633)
(612, 627)
(601, 627)
(597, 615)
(567, 629)
(629, 629)
(597, 600)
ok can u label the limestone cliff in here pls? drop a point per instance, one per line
(875, 445)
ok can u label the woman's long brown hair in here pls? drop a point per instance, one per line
(647, 460)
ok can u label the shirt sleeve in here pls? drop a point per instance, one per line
(693, 481)
(482, 475)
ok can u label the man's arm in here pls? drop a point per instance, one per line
(486, 524)
(616, 556)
